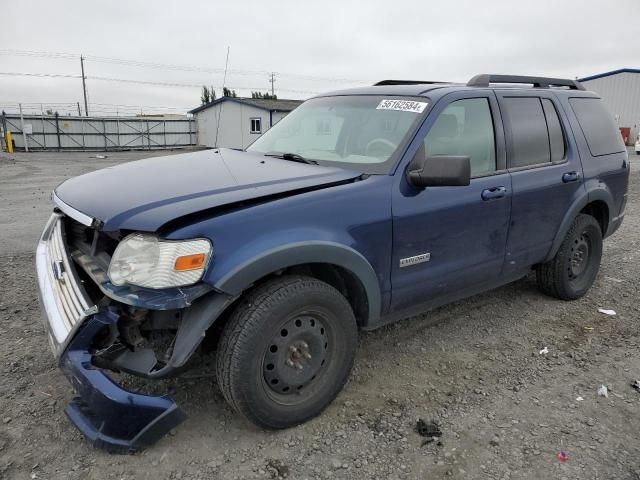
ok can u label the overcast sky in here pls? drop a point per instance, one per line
(313, 46)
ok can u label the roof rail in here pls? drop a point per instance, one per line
(404, 82)
(484, 80)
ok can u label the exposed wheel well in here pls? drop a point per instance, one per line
(598, 210)
(343, 280)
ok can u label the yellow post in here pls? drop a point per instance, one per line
(9, 142)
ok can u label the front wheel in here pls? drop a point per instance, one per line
(287, 351)
(570, 274)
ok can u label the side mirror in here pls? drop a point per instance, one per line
(440, 171)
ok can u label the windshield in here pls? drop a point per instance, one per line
(364, 131)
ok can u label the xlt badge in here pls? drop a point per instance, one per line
(407, 262)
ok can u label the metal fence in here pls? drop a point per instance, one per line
(56, 132)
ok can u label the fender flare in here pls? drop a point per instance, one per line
(206, 310)
(575, 208)
(244, 275)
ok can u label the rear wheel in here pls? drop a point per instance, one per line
(287, 351)
(570, 274)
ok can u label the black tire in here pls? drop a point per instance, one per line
(287, 351)
(570, 274)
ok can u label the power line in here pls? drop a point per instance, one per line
(140, 82)
(166, 66)
(145, 82)
(137, 106)
(32, 53)
(119, 105)
(37, 103)
(94, 106)
(52, 75)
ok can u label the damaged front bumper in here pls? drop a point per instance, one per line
(108, 415)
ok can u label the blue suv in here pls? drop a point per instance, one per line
(359, 208)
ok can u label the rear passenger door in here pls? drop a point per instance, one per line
(546, 173)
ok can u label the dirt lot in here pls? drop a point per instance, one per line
(505, 410)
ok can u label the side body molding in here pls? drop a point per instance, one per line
(245, 274)
(592, 194)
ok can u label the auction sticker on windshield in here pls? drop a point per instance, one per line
(402, 105)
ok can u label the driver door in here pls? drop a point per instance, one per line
(448, 241)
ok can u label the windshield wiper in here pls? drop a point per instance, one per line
(294, 157)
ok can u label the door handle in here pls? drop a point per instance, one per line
(495, 192)
(570, 177)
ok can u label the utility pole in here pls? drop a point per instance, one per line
(273, 81)
(79, 111)
(84, 87)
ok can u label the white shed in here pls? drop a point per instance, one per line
(620, 91)
(234, 122)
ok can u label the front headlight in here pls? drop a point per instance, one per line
(144, 260)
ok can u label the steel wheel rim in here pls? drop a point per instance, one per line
(580, 256)
(296, 358)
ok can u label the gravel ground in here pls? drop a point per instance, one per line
(504, 409)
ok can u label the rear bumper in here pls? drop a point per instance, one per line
(109, 416)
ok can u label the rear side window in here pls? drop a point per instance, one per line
(556, 137)
(598, 126)
(529, 136)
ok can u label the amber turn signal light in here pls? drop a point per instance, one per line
(189, 262)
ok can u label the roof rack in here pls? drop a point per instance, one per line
(484, 80)
(404, 82)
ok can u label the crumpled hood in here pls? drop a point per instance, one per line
(145, 194)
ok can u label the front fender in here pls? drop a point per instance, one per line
(245, 274)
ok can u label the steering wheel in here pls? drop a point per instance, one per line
(379, 141)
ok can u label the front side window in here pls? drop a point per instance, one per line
(465, 127)
(256, 125)
(365, 131)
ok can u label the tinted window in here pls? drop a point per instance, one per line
(556, 137)
(465, 127)
(603, 137)
(529, 136)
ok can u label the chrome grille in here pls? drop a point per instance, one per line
(64, 301)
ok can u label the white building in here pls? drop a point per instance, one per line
(238, 122)
(620, 90)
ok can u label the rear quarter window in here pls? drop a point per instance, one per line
(598, 126)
